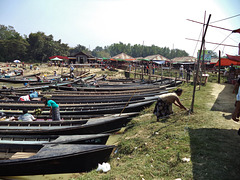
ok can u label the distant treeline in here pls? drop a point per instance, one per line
(38, 47)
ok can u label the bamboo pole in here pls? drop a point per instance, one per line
(135, 70)
(150, 71)
(161, 73)
(202, 69)
(219, 67)
(199, 57)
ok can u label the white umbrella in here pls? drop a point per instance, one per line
(16, 61)
(56, 59)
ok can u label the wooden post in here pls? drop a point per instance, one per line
(149, 72)
(219, 67)
(135, 70)
(198, 63)
(202, 65)
(170, 73)
(161, 73)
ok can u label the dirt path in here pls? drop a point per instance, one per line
(223, 105)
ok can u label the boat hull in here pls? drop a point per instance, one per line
(53, 159)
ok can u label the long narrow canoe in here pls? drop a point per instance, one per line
(54, 139)
(19, 160)
(39, 87)
(21, 106)
(135, 107)
(93, 126)
(67, 120)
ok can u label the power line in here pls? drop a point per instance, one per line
(197, 43)
(221, 42)
(210, 25)
(225, 18)
(212, 42)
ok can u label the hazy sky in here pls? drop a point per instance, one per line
(102, 22)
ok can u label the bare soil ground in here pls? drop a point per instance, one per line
(223, 105)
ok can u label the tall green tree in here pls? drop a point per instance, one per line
(100, 52)
(42, 47)
(8, 32)
(138, 50)
(79, 48)
(12, 45)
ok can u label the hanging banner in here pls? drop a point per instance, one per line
(207, 55)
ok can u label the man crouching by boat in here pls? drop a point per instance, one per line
(54, 108)
(163, 107)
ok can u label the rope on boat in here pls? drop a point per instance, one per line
(127, 102)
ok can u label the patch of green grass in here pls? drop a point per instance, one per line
(154, 150)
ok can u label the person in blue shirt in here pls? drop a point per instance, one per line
(54, 108)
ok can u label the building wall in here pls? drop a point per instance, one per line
(81, 59)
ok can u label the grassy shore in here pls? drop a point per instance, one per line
(147, 149)
(160, 150)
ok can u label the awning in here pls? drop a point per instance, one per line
(159, 62)
(60, 57)
(234, 58)
(56, 59)
(227, 62)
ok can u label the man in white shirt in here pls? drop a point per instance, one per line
(26, 116)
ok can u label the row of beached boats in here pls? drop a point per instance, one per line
(77, 142)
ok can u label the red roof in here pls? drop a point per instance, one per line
(234, 58)
(227, 62)
(60, 57)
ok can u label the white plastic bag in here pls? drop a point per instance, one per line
(105, 167)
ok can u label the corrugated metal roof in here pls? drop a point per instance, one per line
(157, 57)
(122, 56)
(184, 59)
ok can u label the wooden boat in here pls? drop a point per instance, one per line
(93, 126)
(80, 94)
(17, 80)
(89, 99)
(19, 160)
(118, 88)
(40, 83)
(21, 106)
(54, 139)
(47, 117)
(107, 90)
(40, 87)
(78, 101)
(49, 123)
(19, 75)
(66, 120)
(134, 107)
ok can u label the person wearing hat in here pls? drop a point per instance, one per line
(181, 70)
(163, 107)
